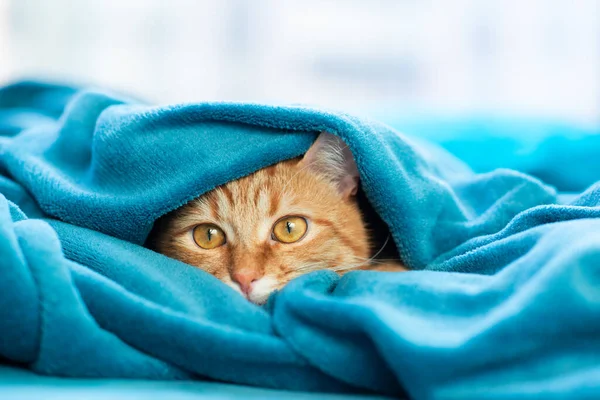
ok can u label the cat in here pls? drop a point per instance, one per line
(259, 232)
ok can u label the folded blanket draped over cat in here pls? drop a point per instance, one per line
(502, 300)
(258, 233)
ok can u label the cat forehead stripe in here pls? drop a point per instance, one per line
(318, 187)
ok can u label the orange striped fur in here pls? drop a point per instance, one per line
(246, 210)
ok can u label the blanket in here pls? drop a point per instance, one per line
(502, 300)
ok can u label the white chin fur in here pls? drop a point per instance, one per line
(261, 289)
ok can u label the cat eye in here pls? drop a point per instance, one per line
(208, 236)
(290, 229)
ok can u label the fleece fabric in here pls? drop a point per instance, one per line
(503, 300)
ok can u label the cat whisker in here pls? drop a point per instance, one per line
(346, 267)
(381, 249)
(311, 267)
(365, 260)
(368, 261)
(362, 261)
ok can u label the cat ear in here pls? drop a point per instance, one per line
(330, 156)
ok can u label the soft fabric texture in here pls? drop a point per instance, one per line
(20, 384)
(503, 302)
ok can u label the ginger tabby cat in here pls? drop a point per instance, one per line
(261, 231)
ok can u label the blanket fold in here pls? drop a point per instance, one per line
(503, 300)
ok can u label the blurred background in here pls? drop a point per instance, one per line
(534, 58)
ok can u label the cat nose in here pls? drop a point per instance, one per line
(245, 278)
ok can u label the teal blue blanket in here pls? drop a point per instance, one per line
(503, 302)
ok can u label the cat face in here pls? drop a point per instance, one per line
(257, 233)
